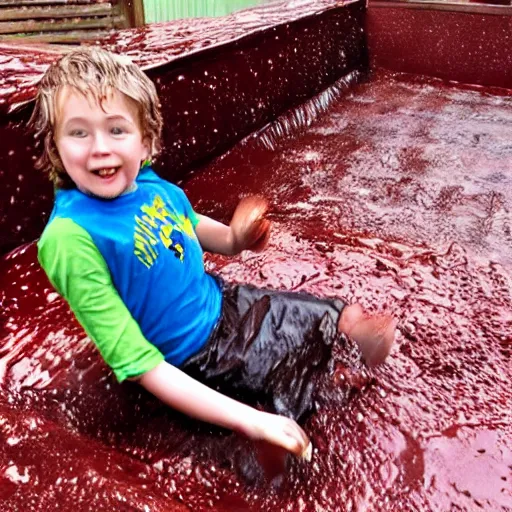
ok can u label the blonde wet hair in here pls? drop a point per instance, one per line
(94, 73)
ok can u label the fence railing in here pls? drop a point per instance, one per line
(66, 21)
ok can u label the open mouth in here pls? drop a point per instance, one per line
(106, 172)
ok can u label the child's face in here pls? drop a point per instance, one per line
(101, 149)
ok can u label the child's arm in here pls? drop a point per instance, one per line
(77, 270)
(189, 396)
(248, 229)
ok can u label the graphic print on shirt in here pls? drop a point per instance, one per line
(155, 224)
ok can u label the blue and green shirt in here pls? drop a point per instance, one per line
(132, 271)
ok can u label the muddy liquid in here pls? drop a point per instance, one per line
(399, 197)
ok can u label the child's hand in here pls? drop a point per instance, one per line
(280, 431)
(249, 227)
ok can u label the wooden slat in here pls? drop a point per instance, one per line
(60, 11)
(6, 3)
(71, 37)
(22, 27)
(20, 44)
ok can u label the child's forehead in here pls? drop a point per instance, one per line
(108, 99)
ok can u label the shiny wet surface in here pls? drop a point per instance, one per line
(219, 80)
(399, 197)
(151, 45)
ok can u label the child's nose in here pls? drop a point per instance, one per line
(100, 144)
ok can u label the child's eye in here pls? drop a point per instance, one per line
(78, 133)
(116, 130)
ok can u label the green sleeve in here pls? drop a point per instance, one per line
(77, 270)
(194, 218)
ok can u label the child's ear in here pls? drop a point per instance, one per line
(146, 149)
(146, 153)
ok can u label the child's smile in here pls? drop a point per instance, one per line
(106, 173)
(101, 146)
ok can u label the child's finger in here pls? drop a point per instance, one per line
(249, 224)
(262, 240)
(307, 453)
(251, 209)
(299, 441)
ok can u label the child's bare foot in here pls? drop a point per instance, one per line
(374, 335)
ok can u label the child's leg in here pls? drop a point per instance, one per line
(373, 334)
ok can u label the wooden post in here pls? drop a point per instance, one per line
(133, 11)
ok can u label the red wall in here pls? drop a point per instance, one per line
(472, 48)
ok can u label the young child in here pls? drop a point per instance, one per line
(125, 249)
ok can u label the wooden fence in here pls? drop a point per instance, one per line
(66, 21)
